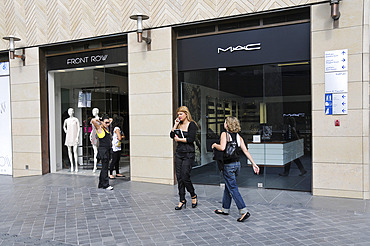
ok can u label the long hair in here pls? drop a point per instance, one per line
(185, 110)
(233, 124)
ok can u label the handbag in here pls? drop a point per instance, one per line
(230, 149)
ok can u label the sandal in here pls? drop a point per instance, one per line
(218, 211)
(244, 217)
(194, 205)
(120, 175)
(111, 177)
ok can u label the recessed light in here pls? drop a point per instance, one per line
(81, 68)
(99, 66)
(61, 71)
(122, 64)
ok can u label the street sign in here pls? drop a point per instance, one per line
(328, 104)
(336, 60)
(340, 103)
(336, 103)
(4, 68)
(336, 82)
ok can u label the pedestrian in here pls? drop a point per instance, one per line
(183, 132)
(103, 149)
(292, 135)
(116, 146)
(231, 167)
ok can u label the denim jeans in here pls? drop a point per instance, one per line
(231, 188)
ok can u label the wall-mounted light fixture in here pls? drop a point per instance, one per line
(140, 18)
(11, 40)
(335, 14)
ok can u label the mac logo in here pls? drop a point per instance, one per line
(248, 47)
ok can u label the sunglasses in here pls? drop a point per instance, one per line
(107, 122)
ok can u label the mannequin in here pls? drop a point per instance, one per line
(71, 127)
(94, 137)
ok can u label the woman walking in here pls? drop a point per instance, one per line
(183, 132)
(116, 146)
(232, 168)
(103, 149)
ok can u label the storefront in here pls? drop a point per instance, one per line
(81, 86)
(261, 75)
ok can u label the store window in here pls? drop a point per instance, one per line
(87, 86)
(272, 102)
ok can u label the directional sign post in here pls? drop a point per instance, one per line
(336, 82)
(336, 61)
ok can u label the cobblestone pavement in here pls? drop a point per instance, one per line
(64, 209)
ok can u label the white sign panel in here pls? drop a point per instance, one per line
(340, 103)
(336, 60)
(336, 82)
(4, 68)
(5, 126)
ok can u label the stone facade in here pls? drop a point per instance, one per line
(41, 22)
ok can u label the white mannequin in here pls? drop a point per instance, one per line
(71, 127)
(94, 140)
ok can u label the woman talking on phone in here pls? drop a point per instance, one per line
(183, 132)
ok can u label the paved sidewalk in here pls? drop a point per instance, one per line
(64, 209)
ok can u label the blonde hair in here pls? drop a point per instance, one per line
(233, 124)
(185, 110)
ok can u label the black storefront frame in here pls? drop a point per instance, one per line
(202, 58)
(59, 62)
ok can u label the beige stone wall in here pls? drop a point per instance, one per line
(341, 154)
(150, 108)
(25, 103)
(40, 21)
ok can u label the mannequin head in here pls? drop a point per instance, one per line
(95, 111)
(70, 112)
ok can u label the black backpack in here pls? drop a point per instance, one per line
(230, 151)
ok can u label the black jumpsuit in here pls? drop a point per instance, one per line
(184, 160)
(104, 156)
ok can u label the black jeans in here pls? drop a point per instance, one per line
(115, 162)
(104, 156)
(183, 165)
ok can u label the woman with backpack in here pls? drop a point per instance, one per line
(231, 143)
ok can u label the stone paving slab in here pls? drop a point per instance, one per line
(63, 209)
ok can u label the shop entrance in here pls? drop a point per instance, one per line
(102, 89)
(273, 105)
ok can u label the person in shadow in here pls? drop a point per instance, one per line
(291, 135)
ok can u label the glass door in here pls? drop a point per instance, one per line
(286, 134)
(273, 105)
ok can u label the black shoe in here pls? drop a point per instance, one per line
(217, 211)
(182, 205)
(283, 174)
(303, 173)
(194, 205)
(244, 217)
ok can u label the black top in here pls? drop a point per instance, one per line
(105, 142)
(236, 157)
(190, 138)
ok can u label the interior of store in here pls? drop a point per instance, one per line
(104, 88)
(273, 105)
